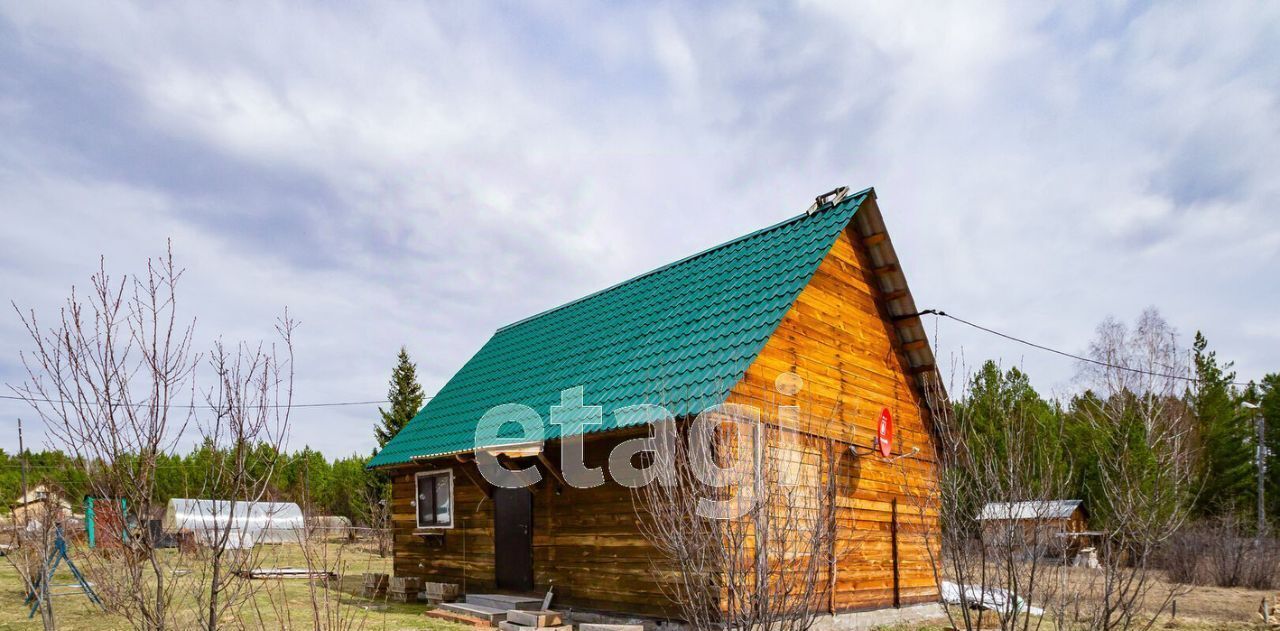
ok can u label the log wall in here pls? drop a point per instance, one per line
(585, 541)
(837, 338)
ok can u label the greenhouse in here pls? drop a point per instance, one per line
(244, 523)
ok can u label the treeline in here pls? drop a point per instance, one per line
(1221, 433)
(322, 486)
(341, 486)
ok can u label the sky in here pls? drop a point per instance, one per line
(421, 174)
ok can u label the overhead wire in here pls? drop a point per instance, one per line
(1089, 360)
(934, 312)
(206, 406)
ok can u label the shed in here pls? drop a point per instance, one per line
(107, 521)
(245, 523)
(818, 299)
(1054, 528)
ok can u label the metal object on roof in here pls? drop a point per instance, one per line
(681, 336)
(244, 523)
(1056, 509)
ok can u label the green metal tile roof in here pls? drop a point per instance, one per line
(681, 336)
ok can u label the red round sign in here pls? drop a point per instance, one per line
(884, 433)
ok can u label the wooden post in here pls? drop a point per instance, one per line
(831, 493)
(22, 454)
(893, 532)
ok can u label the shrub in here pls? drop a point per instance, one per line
(1219, 552)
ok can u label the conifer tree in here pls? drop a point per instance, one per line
(405, 398)
(1226, 436)
(1268, 397)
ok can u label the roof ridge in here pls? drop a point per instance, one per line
(860, 196)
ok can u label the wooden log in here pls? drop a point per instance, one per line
(440, 592)
(405, 583)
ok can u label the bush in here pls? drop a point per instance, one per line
(1220, 553)
(1182, 556)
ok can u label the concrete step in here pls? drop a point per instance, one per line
(511, 626)
(504, 602)
(535, 619)
(493, 615)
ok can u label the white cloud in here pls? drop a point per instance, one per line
(400, 174)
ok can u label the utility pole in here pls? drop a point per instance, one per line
(22, 453)
(1260, 424)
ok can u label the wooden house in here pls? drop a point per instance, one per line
(1056, 528)
(38, 503)
(819, 298)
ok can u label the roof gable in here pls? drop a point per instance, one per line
(681, 336)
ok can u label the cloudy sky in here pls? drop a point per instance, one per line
(422, 174)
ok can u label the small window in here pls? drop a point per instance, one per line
(435, 499)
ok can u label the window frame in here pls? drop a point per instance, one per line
(417, 510)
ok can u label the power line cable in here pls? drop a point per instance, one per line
(205, 406)
(1089, 360)
(935, 312)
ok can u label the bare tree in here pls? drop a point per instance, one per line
(1146, 464)
(1139, 441)
(112, 379)
(994, 527)
(377, 498)
(324, 552)
(743, 522)
(245, 436)
(32, 540)
(328, 562)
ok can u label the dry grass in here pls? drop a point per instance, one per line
(76, 612)
(1200, 608)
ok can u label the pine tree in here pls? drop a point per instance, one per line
(994, 399)
(1226, 437)
(1269, 400)
(405, 397)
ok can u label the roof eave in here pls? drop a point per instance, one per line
(901, 305)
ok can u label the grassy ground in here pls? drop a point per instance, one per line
(1199, 608)
(290, 596)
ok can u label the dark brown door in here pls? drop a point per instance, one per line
(513, 538)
